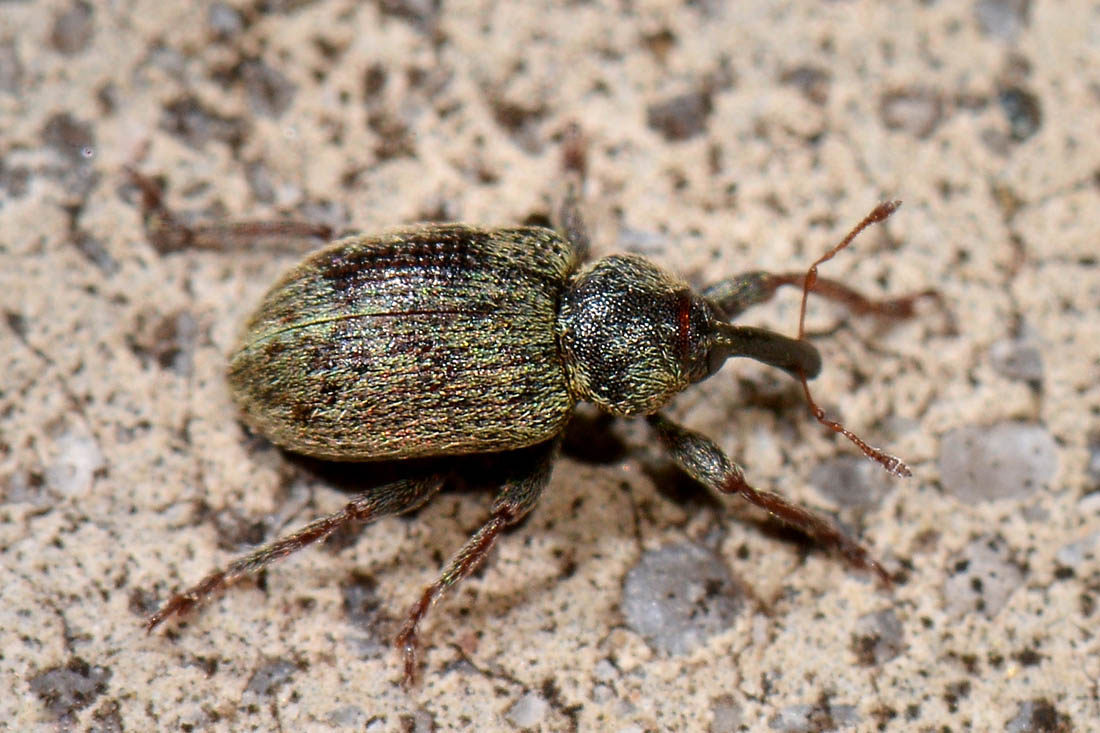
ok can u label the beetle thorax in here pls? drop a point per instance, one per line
(631, 335)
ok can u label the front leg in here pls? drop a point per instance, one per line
(705, 462)
(736, 294)
(733, 295)
(740, 292)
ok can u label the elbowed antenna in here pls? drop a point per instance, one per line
(797, 357)
(891, 463)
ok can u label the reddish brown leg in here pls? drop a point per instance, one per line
(705, 462)
(517, 497)
(395, 498)
(736, 294)
(570, 221)
(169, 234)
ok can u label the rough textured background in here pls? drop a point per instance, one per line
(724, 136)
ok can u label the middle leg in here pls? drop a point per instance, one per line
(168, 233)
(518, 495)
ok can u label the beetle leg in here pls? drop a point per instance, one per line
(574, 163)
(571, 222)
(736, 294)
(516, 498)
(393, 498)
(168, 233)
(705, 462)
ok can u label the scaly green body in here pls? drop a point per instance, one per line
(427, 341)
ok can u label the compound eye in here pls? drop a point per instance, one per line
(693, 345)
(684, 329)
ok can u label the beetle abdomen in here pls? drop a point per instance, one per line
(433, 340)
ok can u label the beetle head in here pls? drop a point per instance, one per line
(633, 336)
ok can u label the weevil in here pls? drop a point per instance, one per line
(448, 340)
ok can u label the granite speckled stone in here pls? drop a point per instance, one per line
(723, 137)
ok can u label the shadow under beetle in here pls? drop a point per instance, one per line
(444, 340)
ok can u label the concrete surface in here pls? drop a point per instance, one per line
(723, 137)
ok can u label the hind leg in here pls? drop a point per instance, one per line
(168, 233)
(394, 498)
(574, 163)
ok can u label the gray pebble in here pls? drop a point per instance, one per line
(528, 711)
(678, 596)
(851, 481)
(1017, 359)
(981, 578)
(1009, 460)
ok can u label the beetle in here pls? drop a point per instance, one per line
(448, 340)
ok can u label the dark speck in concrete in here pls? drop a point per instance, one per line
(681, 117)
(422, 14)
(1023, 111)
(65, 690)
(269, 91)
(69, 136)
(878, 638)
(983, 577)
(1039, 716)
(812, 81)
(363, 609)
(816, 718)
(73, 28)
(271, 676)
(188, 119)
(107, 718)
